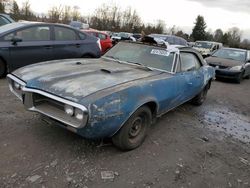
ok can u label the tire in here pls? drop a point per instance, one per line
(134, 131)
(200, 98)
(239, 79)
(247, 77)
(3, 69)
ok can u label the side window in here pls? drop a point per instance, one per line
(101, 36)
(37, 33)
(62, 33)
(3, 21)
(92, 34)
(189, 62)
(248, 55)
(178, 68)
(9, 36)
(82, 36)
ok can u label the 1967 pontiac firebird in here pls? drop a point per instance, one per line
(118, 95)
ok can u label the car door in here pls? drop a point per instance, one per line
(34, 46)
(67, 43)
(190, 75)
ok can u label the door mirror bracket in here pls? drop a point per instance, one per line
(16, 39)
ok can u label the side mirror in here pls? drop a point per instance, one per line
(16, 39)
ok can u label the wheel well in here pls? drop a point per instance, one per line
(153, 107)
(88, 55)
(209, 83)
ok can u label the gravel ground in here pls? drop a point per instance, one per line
(205, 146)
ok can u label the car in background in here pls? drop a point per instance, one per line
(231, 63)
(24, 43)
(79, 25)
(105, 40)
(118, 95)
(122, 36)
(207, 47)
(5, 19)
(137, 36)
(171, 39)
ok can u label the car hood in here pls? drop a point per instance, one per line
(223, 62)
(76, 78)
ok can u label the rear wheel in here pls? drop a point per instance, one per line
(200, 98)
(3, 69)
(134, 131)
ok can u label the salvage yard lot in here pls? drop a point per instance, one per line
(206, 146)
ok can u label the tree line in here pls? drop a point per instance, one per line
(231, 38)
(113, 18)
(105, 17)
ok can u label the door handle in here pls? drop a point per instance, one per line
(48, 47)
(78, 45)
(190, 83)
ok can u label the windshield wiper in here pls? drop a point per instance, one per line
(113, 58)
(129, 62)
(141, 65)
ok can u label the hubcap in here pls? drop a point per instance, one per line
(136, 127)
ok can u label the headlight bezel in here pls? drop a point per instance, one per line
(77, 113)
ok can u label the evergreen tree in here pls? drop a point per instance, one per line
(15, 11)
(218, 35)
(199, 32)
(2, 6)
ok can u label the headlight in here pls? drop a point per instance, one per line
(236, 68)
(69, 110)
(17, 86)
(79, 114)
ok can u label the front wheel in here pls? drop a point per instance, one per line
(134, 131)
(200, 98)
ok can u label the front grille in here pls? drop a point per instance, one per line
(40, 100)
(53, 108)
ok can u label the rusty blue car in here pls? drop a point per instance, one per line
(117, 96)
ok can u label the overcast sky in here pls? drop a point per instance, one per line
(222, 14)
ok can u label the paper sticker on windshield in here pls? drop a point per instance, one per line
(159, 52)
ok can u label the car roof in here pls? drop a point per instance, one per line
(236, 49)
(208, 41)
(17, 25)
(93, 31)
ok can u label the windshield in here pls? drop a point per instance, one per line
(149, 56)
(206, 45)
(233, 54)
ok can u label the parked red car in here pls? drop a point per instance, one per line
(106, 42)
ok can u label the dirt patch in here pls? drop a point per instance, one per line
(205, 146)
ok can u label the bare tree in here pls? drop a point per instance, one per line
(66, 14)
(55, 14)
(75, 13)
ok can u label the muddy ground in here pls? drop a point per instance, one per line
(206, 146)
